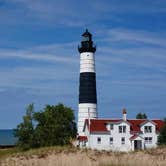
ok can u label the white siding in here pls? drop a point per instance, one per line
(152, 134)
(117, 138)
(105, 139)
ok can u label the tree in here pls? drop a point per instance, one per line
(55, 125)
(162, 135)
(25, 130)
(141, 116)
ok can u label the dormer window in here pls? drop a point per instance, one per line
(122, 129)
(111, 126)
(148, 129)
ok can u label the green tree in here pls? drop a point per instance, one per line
(141, 116)
(162, 135)
(55, 125)
(25, 130)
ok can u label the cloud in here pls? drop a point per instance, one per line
(135, 48)
(54, 13)
(132, 36)
(137, 36)
(130, 6)
(55, 66)
(48, 53)
(45, 80)
(131, 62)
(73, 13)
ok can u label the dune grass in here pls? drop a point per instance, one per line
(71, 156)
(12, 152)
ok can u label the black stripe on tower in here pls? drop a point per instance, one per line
(87, 88)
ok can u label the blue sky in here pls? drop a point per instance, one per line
(39, 61)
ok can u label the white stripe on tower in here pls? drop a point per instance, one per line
(87, 62)
(87, 90)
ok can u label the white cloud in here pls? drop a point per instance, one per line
(44, 79)
(133, 36)
(130, 6)
(132, 48)
(53, 53)
(74, 13)
(58, 71)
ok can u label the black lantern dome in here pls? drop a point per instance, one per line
(87, 43)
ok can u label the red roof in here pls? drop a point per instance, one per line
(134, 137)
(135, 124)
(99, 125)
(160, 124)
(82, 138)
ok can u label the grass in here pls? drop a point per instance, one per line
(12, 152)
(8, 152)
(71, 156)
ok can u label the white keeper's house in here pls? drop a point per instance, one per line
(107, 134)
(120, 134)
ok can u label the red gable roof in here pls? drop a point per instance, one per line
(160, 124)
(82, 138)
(99, 125)
(134, 137)
(135, 124)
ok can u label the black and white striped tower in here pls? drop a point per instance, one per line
(87, 89)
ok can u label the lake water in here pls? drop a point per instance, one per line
(7, 137)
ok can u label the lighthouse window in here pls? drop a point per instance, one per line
(85, 38)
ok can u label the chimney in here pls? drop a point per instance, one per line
(124, 112)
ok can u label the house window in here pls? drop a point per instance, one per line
(122, 129)
(148, 129)
(148, 140)
(123, 140)
(98, 140)
(111, 140)
(111, 126)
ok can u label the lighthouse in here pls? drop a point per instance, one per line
(87, 108)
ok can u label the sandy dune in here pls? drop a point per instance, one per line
(88, 158)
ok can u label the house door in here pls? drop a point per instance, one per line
(137, 144)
